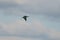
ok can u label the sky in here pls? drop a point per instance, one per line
(43, 22)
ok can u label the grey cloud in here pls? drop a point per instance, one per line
(43, 7)
(4, 5)
(39, 7)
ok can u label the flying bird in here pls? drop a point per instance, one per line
(25, 17)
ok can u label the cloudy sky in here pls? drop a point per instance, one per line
(43, 22)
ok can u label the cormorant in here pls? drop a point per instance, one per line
(25, 17)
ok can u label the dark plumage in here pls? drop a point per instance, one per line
(25, 18)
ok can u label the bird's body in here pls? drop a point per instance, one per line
(25, 18)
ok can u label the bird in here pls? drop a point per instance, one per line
(25, 17)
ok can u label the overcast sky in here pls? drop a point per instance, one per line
(43, 21)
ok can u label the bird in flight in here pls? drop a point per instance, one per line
(25, 17)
